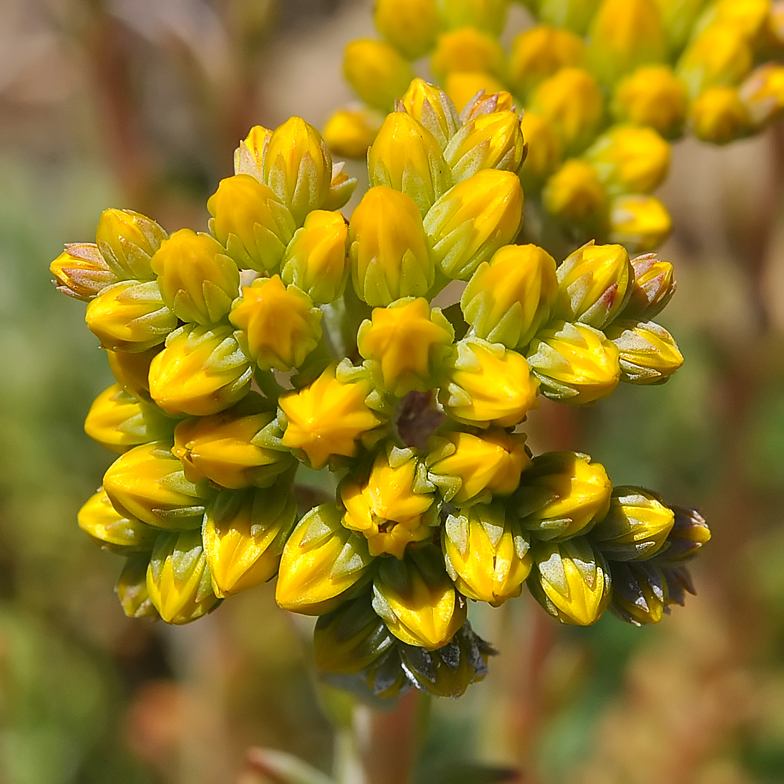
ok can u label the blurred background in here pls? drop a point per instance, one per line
(139, 104)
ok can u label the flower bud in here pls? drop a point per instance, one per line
(624, 35)
(132, 371)
(81, 272)
(720, 56)
(689, 534)
(131, 588)
(639, 223)
(677, 580)
(561, 495)
(349, 132)
(250, 222)
(570, 580)
(377, 72)
(278, 325)
(571, 14)
(298, 167)
(467, 50)
(405, 345)
(745, 16)
(678, 18)
(249, 156)
(762, 94)
(330, 417)
(639, 593)
(411, 26)
(487, 555)
(148, 483)
(201, 371)
(652, 289)
(574, 363)
(648, 353)
(197, 280)
(406, 157)
(130, 316)
(386, 676)
(468, 468)
(635, 527)
(508, 299)
(543, 148)
(431, 107)
(417, 600)
(488, 141)
(487, 15)
(572, 102)
(575, 193)
(652, 96)
(389, 253)
(541, 52)
(487, 103)
(322, 562)
(222, 448)
(718, 116)
(112, 531)
(470, 222)
(488, 385)
(178, 578)
(127, 241)
(465, 88)
(244, 534)
(594, 283)
(341, 189)
(119, 421)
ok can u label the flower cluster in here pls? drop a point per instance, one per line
(605, 85)
(287, 337)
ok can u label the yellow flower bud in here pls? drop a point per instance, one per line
(762, 94)
(488, 384)
(745, 16)
(718, 57)
(639, 593)
(635, 527)
(393, 506)
(678, 18)
(470, 222)
(249, 156)
(488, 141)
(464, 87)
(406, 157)
(113, 531)
(389, 253)
(487, 555)
(410, 26)
(322, 564)
(417, 600)
(221, 447)
(652, 96)
(298, 167)
(131, 588)
(624, 35)
(127, 241)
(485, 103)
(130, 316)
(543, 148)
(330, 417)
(250, 222)
(561, 495)
(572, 102)
(689, 534)
(648, 353)
(278, 325)
(431, 107)
(349, 132)
(541, 52)
(508, 299)
(132, 370)
(178, 578)
(487, 15)
(197, 280)
(630, 159)
(341, 189)
(594, 283)
(652, 289)
(467, 50)
(148, 483)
(81, 272)
(469, 468)
(575, 193)
(377, 72)
(405, 345)
(572, 14)
(244, 534)
(200, 372)
(386, 677)
(119, 421)
(719, 116)
(639, 223)
(574, 363)
(570, 580)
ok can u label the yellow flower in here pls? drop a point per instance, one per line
(470, 468)
(81, 271)
(127, 241)
(648, 353)
(249, 156)
(539, 53)
(349, 132)
(639, 223)
(544, 147)
(410, 26)
(113, 531)
(467, 50)
(719, 116)
(405, 344)
(329, 418)
(488, 384)
(720, 56)
(377, 72)
(653, 287)
(431, 107)
(575, 192)
(278, 325)
(487, 555)
(763, 93)
(745, 16)
(652, 96)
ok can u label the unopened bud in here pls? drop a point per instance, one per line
(541, 52)
(543, 148)
(719, 116)
(131, 588)
(487, 103)
(113, 531)
(639, 223)
(431, 107)
(349, 132)
(249, 156)
(488, 15)
(464, 88)
(341, 189)
(652, 289)
(411, 26)
(647, 352)
(689, 534)
(720, 56)
(652, 96)
(570, 14)
(377, 72)
(679, 18)
(128, 240)
(639, 593)
(467, 50)
(575, 193)
(81, 272)
(762, 94)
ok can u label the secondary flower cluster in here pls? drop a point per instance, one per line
(243, 354)
(604, 85)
